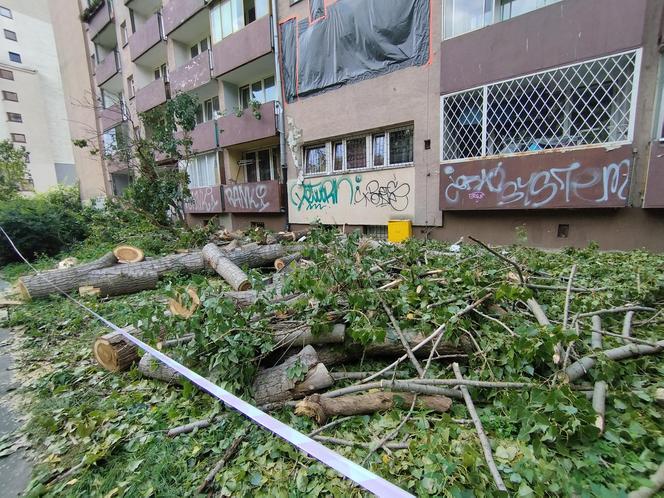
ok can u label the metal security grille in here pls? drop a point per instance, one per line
(582, 104)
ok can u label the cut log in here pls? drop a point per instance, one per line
(228, 270)
(292, 236)
(537, 310)
(276, 384)
(599, 404)
(120, 283)
(154, 369)
(321, 408)
(292, 334)
(68, 279)
(282, 263)
(178, 308)
(596, 338)
(390, 348)
(114, 352)
(128, 254)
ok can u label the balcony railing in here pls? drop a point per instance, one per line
(205, 200)
(193, 74)
(152, 95)
(112, 116)
(177, 12)
(256, 197)
(246, 128)
(100, 19)
(107, 68)
(236, 50)
(146, 37)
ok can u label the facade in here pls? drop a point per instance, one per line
(33, 109)
(144, 52)
(502, 119)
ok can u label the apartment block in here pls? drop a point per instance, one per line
(33, 111)
(537, 121)
(146, 51)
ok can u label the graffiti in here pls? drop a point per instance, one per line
(252, 197)
(391, 194)
(205, 200)
(570, 185)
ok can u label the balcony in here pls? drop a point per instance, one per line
(100, 25)
(204, 137)
(206, 200)
(107, 68)
(148, 43)
(248, 44)
(146, 7)
(257, 197)
(111, 116)
(236, 130)
(176, 13)
(152, 95)
(192, 75)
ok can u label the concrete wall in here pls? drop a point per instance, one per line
(78, 94)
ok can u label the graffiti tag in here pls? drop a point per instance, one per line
(392, 194)
(596, 185)
(205, 200)
(247, 197)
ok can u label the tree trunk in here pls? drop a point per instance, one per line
(292, 236)
(274, 385)
(390, 348)
(291, 334)
(320, 408)
(114, 352)
(71, 279)
(125, 282)
(281, 263)
(154, 369)
(68, 279)
(228, 270)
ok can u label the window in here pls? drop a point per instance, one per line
(12, 96)
(261, 166)
(261, 91)
(132, 21)
(230, 16)
(356, 153)
(200, 47)
(14, 57)
(207, 110)
(131, 87)
(203, 171)
(392, 147)
(18, 138)
(5, 12)
(6, 74)
(462, 16)
(582, 104)
(109, 99)
(124, 34)
(161, 73)
(315, 160)
(14, 117)
(114, 140)
(10, 35)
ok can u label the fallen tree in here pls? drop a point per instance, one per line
(114, 352)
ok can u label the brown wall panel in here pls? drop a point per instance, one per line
(654, 197)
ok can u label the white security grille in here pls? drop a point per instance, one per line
(582, 104)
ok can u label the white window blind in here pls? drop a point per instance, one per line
(203, 171)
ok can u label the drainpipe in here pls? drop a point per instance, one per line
(280, 101)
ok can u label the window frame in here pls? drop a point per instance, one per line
(9, 33)
(18, 116)
(216, 172)
(5, 12)
(162, 69)
(124, 34)
(198, 46)
(15, 136)
(331, 152)
(15, 57)
(250, 86)
(7, 93)
(272, 154)
(131, 86)
(7, 74)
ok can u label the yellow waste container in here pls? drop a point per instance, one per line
(399, 230)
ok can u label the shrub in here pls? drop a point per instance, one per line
(42, 225)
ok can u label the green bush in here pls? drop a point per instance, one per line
(42, 225)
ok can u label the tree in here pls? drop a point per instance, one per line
(13, 169)
(156, 190)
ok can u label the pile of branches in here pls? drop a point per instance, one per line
(333, 326)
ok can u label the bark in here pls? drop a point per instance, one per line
(123, 282)
(599, 404)
(128, 254)
(185, 429)
(274, 385)
(360, 444)
(537, 310)
(627, 325)
(228, 454)
(68, 279)
(596, 338)
(657, 480)
(400, 386)
(228, 270)
(578, 369)
(154, 369)
(292, 334)
(321, 408)
(390, 348)
(114, 352)
(281, 263)
(292, 236)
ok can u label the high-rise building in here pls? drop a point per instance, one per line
(513, 120)
(33, 109)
